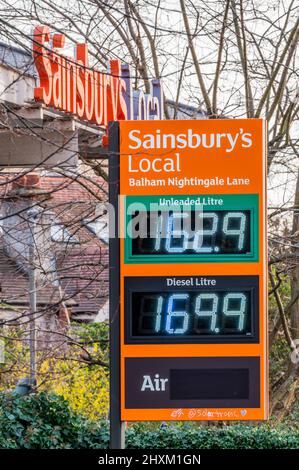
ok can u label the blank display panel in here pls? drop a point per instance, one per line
(214, 384)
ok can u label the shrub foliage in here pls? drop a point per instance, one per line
(46, 421)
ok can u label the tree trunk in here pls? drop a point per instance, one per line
(295, 273)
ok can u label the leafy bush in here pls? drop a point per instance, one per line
(86, 388)
(229, 437)
(75, 373)
(45, 421)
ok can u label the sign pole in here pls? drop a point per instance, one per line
(117, 434)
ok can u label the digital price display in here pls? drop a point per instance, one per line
(191, 314)
(196, 309)
(220, 232)
(188, 272)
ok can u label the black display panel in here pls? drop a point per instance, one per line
(212, 384)
(191, 310)
(191, 232)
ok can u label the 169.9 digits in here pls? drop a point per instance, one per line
(191, 313)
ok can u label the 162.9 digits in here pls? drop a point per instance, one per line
(175, 232)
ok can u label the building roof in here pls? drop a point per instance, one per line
(81, 267)
(17, 58)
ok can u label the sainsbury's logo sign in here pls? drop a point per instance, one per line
(70, 85)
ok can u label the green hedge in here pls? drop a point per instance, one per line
(45, 421)
(230, 437)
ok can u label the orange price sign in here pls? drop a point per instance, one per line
(189, 269)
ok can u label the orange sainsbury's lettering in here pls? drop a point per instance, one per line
(70, 85)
